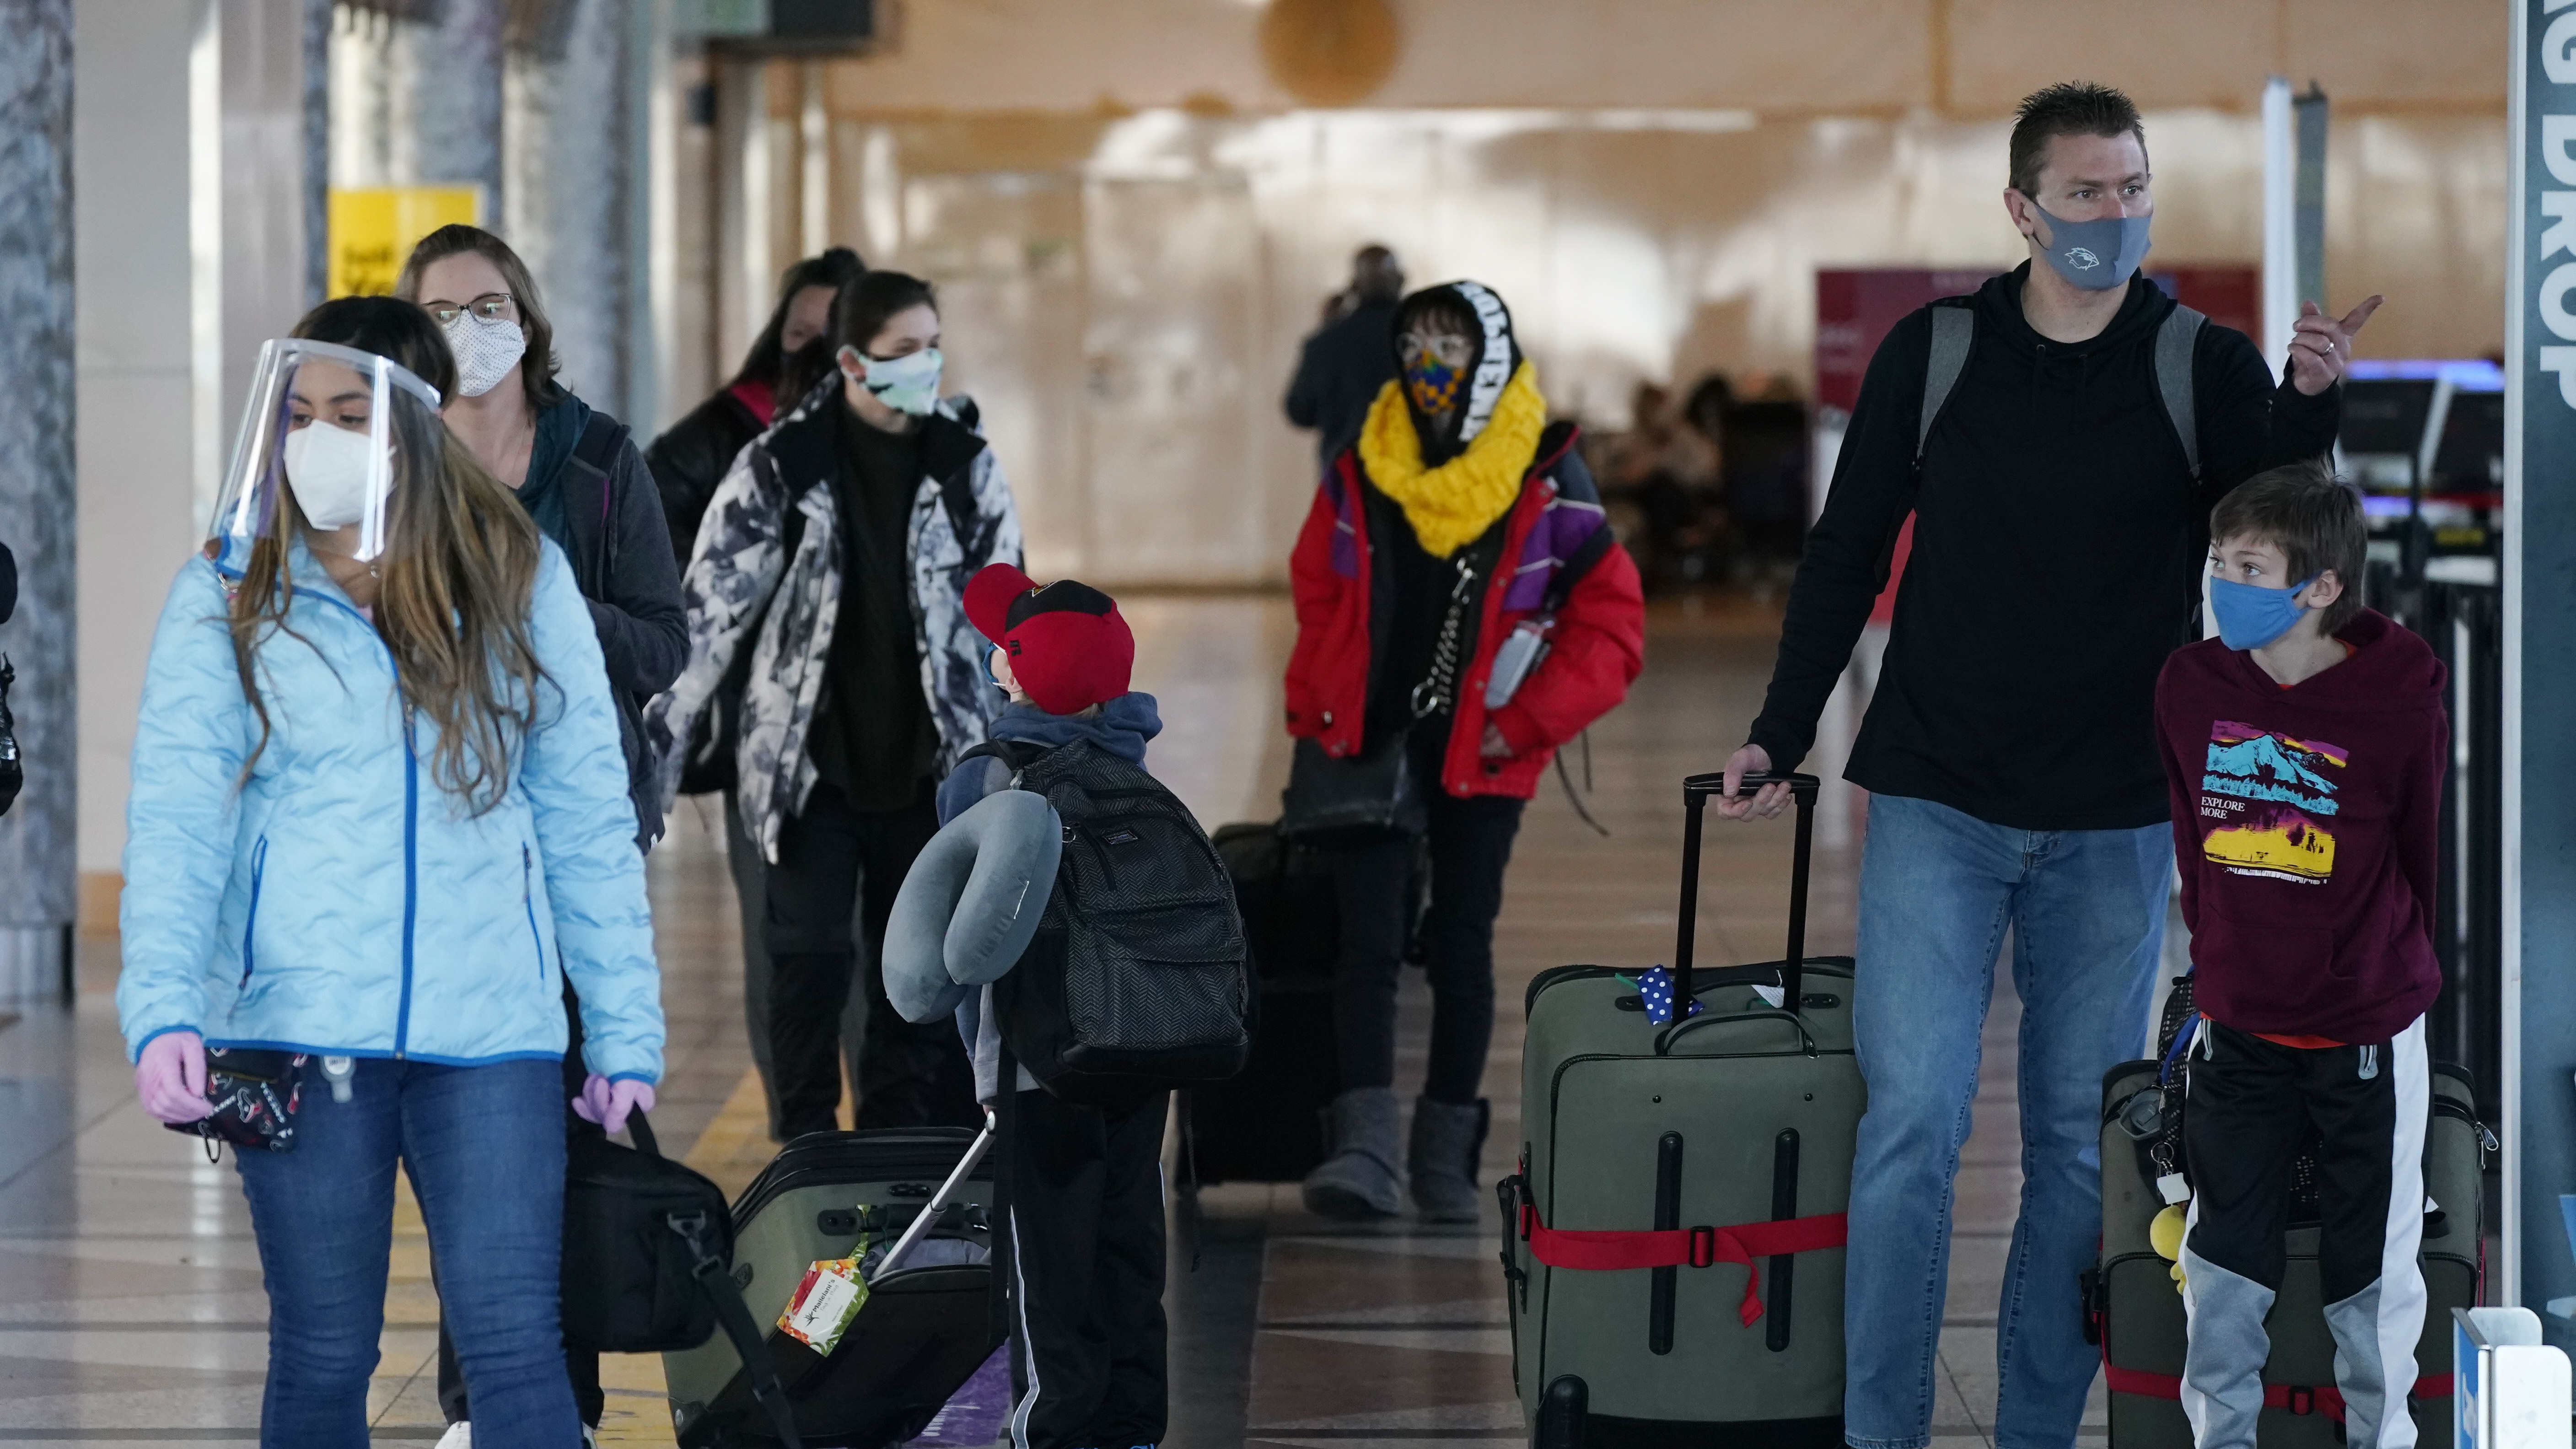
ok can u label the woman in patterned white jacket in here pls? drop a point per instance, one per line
(836, 554)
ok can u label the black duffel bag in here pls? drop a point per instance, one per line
(648, 1261)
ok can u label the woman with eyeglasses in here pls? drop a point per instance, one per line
(578, 475)
(377, 821)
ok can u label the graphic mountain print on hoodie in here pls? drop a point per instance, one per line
(2308, 866)
(2282, 841)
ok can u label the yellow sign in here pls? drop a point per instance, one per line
(374, 228)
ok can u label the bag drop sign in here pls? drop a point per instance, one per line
(821, 1309)
(2545, 240)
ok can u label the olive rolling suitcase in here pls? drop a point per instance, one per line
(916, 1207)
(1673, 1240)
(2134, 1310)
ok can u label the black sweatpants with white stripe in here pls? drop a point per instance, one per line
(2250, 1102)
(1087, 1346)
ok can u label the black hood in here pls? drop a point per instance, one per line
(1498, 356)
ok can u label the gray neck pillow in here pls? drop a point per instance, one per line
(970, 904)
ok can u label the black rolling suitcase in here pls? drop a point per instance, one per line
(1265, 1124)
(1673, 1247)
(916, 1206)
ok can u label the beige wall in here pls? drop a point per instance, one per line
(1968, 57)
(1134, 220)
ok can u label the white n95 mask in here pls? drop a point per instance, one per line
(331, 470)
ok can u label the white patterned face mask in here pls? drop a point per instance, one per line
(486, 349)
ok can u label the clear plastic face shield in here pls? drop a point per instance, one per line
(325, 424)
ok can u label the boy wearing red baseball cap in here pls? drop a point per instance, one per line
(1086, 1181)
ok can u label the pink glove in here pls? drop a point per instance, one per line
(607, 1103)
(170, 1077)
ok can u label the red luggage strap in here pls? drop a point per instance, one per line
(2297, 1398)
(1701, 1247)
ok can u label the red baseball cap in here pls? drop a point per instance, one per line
(1069, 648)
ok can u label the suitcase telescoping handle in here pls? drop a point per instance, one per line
(1695, 795)
(930, 1211)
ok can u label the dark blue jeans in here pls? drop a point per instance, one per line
(484, 1147)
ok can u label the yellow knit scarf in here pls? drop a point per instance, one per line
(1452, 505)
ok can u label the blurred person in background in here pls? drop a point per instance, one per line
(791, 353)
(579, 477)
(377, 749)
(1456, 484)
(691, 459)
(1346, 361)
(877, 686)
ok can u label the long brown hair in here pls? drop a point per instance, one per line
(457, 578)
(536, 370)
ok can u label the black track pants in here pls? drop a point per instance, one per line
(2251, 1103)
(833, 862)
(1086, 1188)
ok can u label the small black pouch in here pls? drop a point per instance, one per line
(1360, 800)
(255, 1095)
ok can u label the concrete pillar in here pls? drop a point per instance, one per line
(454, 69)
(131, 211)
(38, 498)
(567, 178)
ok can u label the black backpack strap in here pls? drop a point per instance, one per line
(2177, 341)
(1015, 755)
(715, 1279)
(600, 440)
(1954, 331)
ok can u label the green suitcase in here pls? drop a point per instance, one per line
(1673, 1240)
(2135, 1313)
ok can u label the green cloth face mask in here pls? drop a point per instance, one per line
(907, 384)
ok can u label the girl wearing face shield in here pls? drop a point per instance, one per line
(378, 818)
(1461, 522)
(834, 779)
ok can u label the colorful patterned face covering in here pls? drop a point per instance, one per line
(1433, 384)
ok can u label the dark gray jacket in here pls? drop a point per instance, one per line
(620, 549)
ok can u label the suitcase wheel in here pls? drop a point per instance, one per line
(1560, 1414)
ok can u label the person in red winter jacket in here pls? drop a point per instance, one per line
(2304, 749)
(1460, 518)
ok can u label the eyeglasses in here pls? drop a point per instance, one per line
(491, 307)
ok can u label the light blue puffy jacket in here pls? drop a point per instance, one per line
(339, 902)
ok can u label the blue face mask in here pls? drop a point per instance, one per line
(2251, 616)
(2096, 255)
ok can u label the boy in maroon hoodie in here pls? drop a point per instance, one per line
(2303, 748)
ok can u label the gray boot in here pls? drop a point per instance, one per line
(1358, 1180)
(1447, 1140)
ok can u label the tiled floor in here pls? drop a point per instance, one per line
(130, 1303)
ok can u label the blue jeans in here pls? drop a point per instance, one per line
(2086, 907)
(484, 1147)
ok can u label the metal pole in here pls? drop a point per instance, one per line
(2280, 225)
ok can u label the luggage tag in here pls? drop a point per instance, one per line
(824, 1304)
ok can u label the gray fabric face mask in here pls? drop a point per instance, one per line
(2096, 255)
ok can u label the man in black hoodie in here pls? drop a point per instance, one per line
(2059, 533)
(1346, 360)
